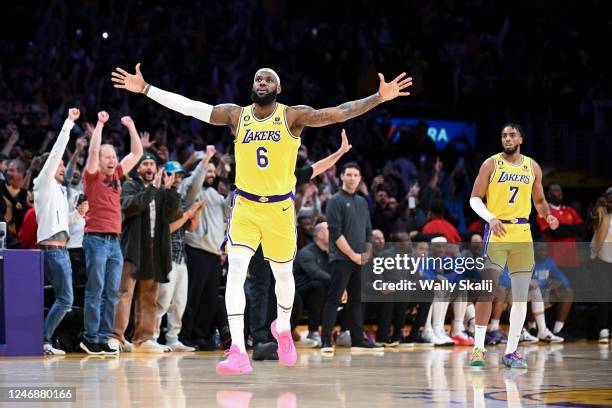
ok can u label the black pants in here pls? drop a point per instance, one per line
(602, 274)
(395, 312)
(345, 275)
(421, 317)
(262, 299)
(204, 274)
(391, 312)
(312, 297)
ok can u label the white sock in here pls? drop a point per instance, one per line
(517, 319)
(459, 309)
(494, 325)
(470, 313)
(520, 290)
(532, 325)
(285, 292)
(439, 313)
(428, 325)
(458, 327)
(537, 308)
(558, 326)
(235, 301)
(479, 336)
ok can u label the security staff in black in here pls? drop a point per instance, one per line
(350, 233)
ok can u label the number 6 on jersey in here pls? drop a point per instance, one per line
(262, 159)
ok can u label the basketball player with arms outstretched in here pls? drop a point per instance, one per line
(509, 180)
(267, 138)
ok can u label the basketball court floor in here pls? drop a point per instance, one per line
(570, 375)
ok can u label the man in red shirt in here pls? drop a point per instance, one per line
(438, 225)
(562, 248)
(103, 257)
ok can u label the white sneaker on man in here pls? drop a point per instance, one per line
(149, 347)
(604, 336)
(115, 344)
(179, 347)
(526, 337)
(49, 350)
(431, 337)
(127, 347)
(549, 337)
(443, 339)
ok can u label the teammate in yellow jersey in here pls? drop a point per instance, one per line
(509, 180)
(267, 138)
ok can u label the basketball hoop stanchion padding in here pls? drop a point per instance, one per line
(21, 312)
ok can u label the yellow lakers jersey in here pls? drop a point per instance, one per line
(509, 190)
(266, 152)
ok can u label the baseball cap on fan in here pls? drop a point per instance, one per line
(174, 167)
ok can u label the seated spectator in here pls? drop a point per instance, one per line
(304, 230)
(548, 280)
(438, 225)
(312, 276)
(15, 196)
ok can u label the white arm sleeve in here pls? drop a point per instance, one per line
(479, 208)
(178, 103)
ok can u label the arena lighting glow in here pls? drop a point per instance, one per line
(105, 35)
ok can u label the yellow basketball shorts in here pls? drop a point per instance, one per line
(515, 249)
(270, 224)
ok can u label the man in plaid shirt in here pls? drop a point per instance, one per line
(172, 297)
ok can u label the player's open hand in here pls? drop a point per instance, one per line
(345, 146)
(125, 80)
(497, 227)
(553, 222)
(393, 89)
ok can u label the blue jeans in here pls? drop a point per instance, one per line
(59, 272)
(104, 262)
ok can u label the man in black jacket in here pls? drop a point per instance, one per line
(148, 209)
(312, 276)
(350, 234)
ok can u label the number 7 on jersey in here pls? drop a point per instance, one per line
(514, 191)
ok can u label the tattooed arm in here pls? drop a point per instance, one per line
(226, 114)
(302, 116)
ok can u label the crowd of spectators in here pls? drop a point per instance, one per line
(538, 63)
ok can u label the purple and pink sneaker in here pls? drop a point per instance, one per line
(235, 362)
(514, 360)
(287, 354)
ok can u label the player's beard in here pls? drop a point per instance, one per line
(265, 100)
(511, 150)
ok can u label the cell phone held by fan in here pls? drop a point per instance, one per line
(82, 198)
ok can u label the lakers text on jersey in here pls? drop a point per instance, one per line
(265, 152)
